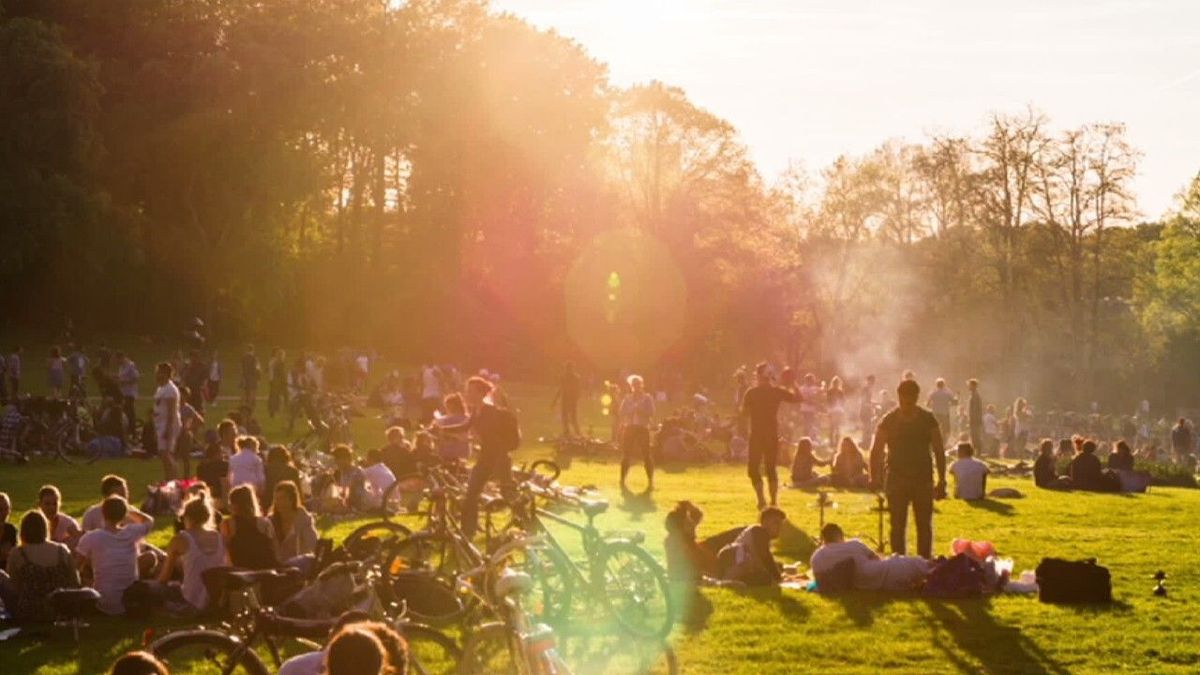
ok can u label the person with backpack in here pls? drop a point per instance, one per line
(498, 433)
(907, 443)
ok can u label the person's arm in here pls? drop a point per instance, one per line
(306, 533)
(939, 456)
(265, 526)
(762, 545)
(175, 550)
(983, 483)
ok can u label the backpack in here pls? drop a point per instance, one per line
(957, 577)
(510, 430)
(1073, 581)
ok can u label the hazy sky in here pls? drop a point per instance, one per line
(810, 80)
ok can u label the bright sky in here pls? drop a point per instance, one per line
(809, 80)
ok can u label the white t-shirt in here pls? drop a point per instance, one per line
(825, 558)
(166, 414)
(246, 468)
(310, 663)
(93, 518)
(114, 562)
(379, 479)
(430, 387)
(63, 527)
(990, 427)
(897, 573)
(940, 401)
(968, 477)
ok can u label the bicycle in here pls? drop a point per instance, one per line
(514, 644)
(233, 647)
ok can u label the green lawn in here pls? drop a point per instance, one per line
(793, 631)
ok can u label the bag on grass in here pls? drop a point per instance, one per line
(957, 577)
(1073, 581)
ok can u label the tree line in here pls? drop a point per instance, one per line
(433, 178)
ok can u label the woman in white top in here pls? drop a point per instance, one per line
(167, 422)
(194, 550)
(295, 533)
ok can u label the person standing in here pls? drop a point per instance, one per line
(866, 412)
(760, 406)
(277, 375)
(127, 380)
(975, 416)
(55, 372)
(635, 414)
(77, 368)
(251, 371)
(1183, 440)
(213, 387)
(835, 406)
(499, 434)
(195, 378)
(940, 403)
(568, 397)
(13, 368)
(431, 392)
(167, 421)
(907, 442)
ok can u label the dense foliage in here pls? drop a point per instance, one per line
(432, 178)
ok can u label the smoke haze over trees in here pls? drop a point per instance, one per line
(418, 176)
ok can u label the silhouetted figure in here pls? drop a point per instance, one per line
(761, 406)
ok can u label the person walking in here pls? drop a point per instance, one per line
(941, 401)
(975, 416)
(907, 443)
(635, 414)
(760, 406)
(277, 374)
(499, 434)
(167, 421)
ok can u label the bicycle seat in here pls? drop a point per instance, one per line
(312, 629)
(73, 602)
(511, 583)
(593, 507)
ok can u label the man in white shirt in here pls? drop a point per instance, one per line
(869, 571)
(167, 422)
(112, 552)
(93, 518)
(970, 474)
(635, 414)
(246, 467)
(63, 528)
(940, 402)
(379, 477)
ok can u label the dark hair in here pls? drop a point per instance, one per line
(355, 650)
(198, 510)
(374, 456)
(111, 483)
(138, 663)
(831, 533)
(908, 389)
(480, 383)
(771, 512)
(226, 425)
(165, 367)
(343, 451)
(1089, 446)
(34, 527)
(49, 490)
(1046, 445)
(454, 401)
(242, 499)
(804, 443)
(114, 508)
(966, 449)
(1123, 447)
(395, 646)
(279, 454)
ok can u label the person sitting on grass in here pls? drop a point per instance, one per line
(379, 478)
(849, 467)
(8, 531)
(688, 562)
(804, 464)
(36, 567)
(149, 556)
(349, 484)
(366, 648)
(1086, 471)
(194, 550)
(1122, 459)
(249, 538)
(246, 467)
(138, 663)
(279, 468)
(63, 528)
(112, 552)
(398, 453)
(213, 470)
(970, 474)
(840, 565)
(748, 559)
(295, 532)
(1045, 469)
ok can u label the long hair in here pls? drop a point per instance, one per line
(243, 502)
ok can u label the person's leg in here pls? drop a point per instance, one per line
(770, 460)
(166, 453)
(565, 417)
(647, 457)
(573, 412)
(897, 499)
(470, 506)
(626, 451)
(922, 501)
(752, 470)
(130, 414)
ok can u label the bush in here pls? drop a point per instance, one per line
(1171, 475)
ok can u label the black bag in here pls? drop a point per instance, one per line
(1073, 581)
(957, 577)
(510, 429)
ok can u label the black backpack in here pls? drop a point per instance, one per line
(510, 429)
(1073, 581)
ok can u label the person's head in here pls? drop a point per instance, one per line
(113, 485)
(286, 498)
(804, 446)
(35, 527)
(847, 445)
(197, 511)
(248, 444)
(280, 455)
(355, 650)
(374, 457)
(343, 456)
(1088, 447)
(1066, 446)
(771, 518)
(835, 384)
(163, 372)
(424, 442)
(49, 499)
(636, 383)
(227, 431)
(55, 353)
(121, 357)
(213, 452)
(907, 393)
(991, 409)
(454, 404)
(972, 384)
(832, 534)
(965, 450)
(810, 380)
(762, 373)
(1182, 422)
(5, 507)
(870, 382)
(243, 502)
(250, 350)
(138, 663)
(1123, 448)
(477, 389)
(1046, 448)
(114, 508)
(683, 519)
(396, 436)
(940, 383)
(395, 647)
(909, 376)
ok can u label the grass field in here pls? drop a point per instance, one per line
(793, 631)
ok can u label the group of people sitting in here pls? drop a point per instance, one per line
(1076, 465)
(848, 467)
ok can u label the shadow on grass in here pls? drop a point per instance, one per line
(637, 504)
(995, 506)
(996, 646)
(794, 543)
(791, 608)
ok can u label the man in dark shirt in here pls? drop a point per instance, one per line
(749, 559)
(913, 440)
(1182, 440)
(568, 396)
(975, 416)
(497, 433)
(1087, 473)
(761, 406)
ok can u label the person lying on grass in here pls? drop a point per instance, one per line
(748, 559)
(840, 565)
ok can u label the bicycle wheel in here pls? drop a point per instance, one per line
(375, 538)
(488, 651)
(635, 590)
(430, 651)
(426, 552)
(549, 599)
(201, 652)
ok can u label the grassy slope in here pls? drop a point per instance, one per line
(793, 631)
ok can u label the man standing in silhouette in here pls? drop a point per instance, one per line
(912, 439)
(761, 406)
(975, 415)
